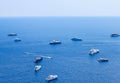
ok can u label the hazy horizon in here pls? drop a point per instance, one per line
(53, 8)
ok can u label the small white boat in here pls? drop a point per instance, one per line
(17, 40)
(38, 67)
(94, 51)
(55, 42)
(103, 60)
(51, 77)
(12, 34)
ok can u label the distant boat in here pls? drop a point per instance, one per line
(93, 51)
(12, 34)
(115, 35)
(51, 77)
(76, 39)
(38, 59)
(28, 53)
(103, 60)
(38, 67)
(55, 42)
(17, 40)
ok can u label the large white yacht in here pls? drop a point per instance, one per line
(93, 51)
(55, 42)
(51, 77)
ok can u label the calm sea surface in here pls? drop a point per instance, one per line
(71, 61)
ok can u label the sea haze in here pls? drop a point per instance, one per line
(71, 61)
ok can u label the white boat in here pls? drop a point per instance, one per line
(12, 34)
(55, 42)
(103, 60)
(51, 77)
(94, 51)
(38, 67)
(17, 39)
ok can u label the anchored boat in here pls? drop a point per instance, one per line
(94, 51)
(51, 77)
(55, 42)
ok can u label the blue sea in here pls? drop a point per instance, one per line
(70, 60)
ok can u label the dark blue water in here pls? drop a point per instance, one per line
(71, 61)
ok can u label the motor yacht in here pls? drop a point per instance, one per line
(17, 40)
(55, 42)
(115, 35)
(38, 67)
(12, 34)
(103, 60)
(38, 59)
(76, 39)
(94, 51)
(51, 77)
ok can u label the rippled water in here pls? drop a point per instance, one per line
(70, 60)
